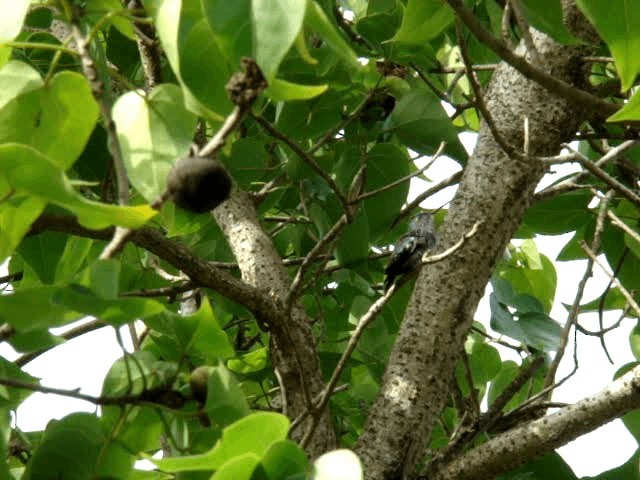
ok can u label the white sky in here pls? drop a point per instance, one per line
(84, 362)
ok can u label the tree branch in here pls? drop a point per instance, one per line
(521, 444)
(594, 104)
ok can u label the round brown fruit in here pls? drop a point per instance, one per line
(198, 184)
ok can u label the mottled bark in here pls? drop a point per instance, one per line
(496, 190)
(522, 444)
(293, 348)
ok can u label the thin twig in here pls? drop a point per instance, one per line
(441, 95)
(505, 26)
(403, 179)
(615, 220)
(479, 100)
(608, 179)
(625, 293)
(148, 48)
(102, 400)
(594, 104)
(307, 157)
(602, 331)
(489, 67)
(229, 125)
(329, 237)
(364, 322)
(90, 71)
(455, 247)
(427, 193)
(489, 418)
(524, 31)
(346, 121)
(499, 341)
(571, 182)
(572, 317)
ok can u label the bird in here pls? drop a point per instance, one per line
(409, 249)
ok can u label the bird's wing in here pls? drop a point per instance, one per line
(402, 255)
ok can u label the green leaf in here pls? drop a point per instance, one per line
(29, 309)
(627, 471)
(113, 311)
(621, 32)
(225, 399)
(132, 374)
(231, 24)
(533, 274)
(5, 432)
(562, 214)
(11, 398)
(142, 430)
(17, 213)
(70, 449)
(276, 25)
(614, 300)
(529, 324)
(149, 475)
(546, 16)
(284, 459)
(153, 133)
(26, 169)
(42, 252)
(248, 161)
(253, 434)
(98, 10)
(421, 124)
(197, 55)
(630, 112)
(338, 464)
(17, 78)
(484, 362)
(532, 328)
(238, 468)
(353, 244)
(508, 372)
(208, 341)
(423, 20)
(104, 278)
(72, 259)
(251, 362)
(55, 119)
(386, 163)
(283, 91)
(320, 23)
(13, 14)
(634, 341)
(626, 265)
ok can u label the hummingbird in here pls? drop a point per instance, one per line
(409, 249)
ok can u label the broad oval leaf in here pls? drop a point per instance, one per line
(621, 32)
(276, 25)
(25, 169)
(281, 90)
(55, 119)
(253, 434)
(17, 78)
(69, 449)
(421, 124)
(153, 133)
(423, 20)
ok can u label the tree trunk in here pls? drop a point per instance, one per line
(496, 190)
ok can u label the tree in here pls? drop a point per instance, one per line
(263, 337)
